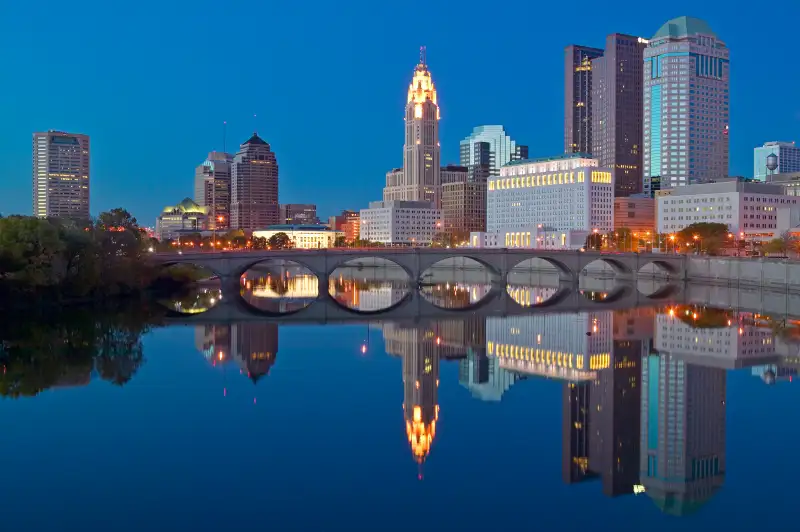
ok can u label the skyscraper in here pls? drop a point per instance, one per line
(254, 186)
(61, 175)
(489, 148)
(212, 188)
(578, 98)
(686, 106)
(420, 178)
(616, 111)
(788, 155)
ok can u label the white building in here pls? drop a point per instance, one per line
(400, 222)
(185, 217)
(548, 203)
(303, 236)
(61, 175)
(759, 210)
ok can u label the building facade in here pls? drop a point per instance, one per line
(298, 214)
(212, 189)
(488, 148)
(787, 153)
(400, 222)
(464, 208)
(61, 175)
(686, 106)
(616, 109)
(302, 236)
(548, 203)
(419, 179)
(578, 98)
(637, 213)
(185, 217)
(337, 221)
(254, 186)
(757, 211)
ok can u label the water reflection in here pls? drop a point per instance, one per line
(194, 301)
(279, 287)
(643, 392)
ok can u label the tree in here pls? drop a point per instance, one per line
(259, 242)
(280, 241)
(782, 245)
(340, 242)
(594, 241)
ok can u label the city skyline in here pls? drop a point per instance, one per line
(188, 129)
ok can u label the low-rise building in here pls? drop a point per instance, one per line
(758, 211)
(400, 222)
(548, 203)
(185, 217)
(636, 212)
(303, 236)
(352, 229)
(337, 222)
(298, 214)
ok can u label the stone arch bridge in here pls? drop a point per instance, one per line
(230, 265)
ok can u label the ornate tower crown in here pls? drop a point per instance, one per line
(421, 88)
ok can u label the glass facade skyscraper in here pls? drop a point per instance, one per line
(578, 98)
(501, 149)
(686, 106)
(788, 155)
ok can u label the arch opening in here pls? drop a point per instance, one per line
(278, 287)
(457, 283)
(369, 285)
(606, 296)
(186, 288)
(535, 283)
(545, 266)
(658, 268)
(606, 267)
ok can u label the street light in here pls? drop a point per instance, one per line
(699, 240)
(672, 237)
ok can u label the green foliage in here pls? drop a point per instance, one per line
(340, 242)
(594, 241)
(280, 241)
(65, 259)
(260, 242)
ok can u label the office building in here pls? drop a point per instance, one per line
(302, 236)
(464, 208)
(578, 98)
(400, 222)
(61, 175)
(453, 173)
(254, 186)
(419, 179)
(298, 214)
(352, 229)
(554, 202)
(488, 148)
(686, 106)
(337, 221)
(637, 213)
(759, 211)
(682, 443)
(183, 218)
(616, 111)
(787, 159)
(212, 189)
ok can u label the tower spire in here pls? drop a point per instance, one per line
(422, 56)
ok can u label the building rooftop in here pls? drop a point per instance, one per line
(255, 139)
(561, 157)
(683, 26)
(298, 227)
(187, 206)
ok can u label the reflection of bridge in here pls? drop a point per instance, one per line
(415, 307)
(230, 266)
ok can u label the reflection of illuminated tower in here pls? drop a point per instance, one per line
(575, 432)
(682, 460)
(254, 346)
(420, 407)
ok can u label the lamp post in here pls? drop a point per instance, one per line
(699, 241)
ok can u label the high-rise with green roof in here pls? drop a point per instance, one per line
(686, 105)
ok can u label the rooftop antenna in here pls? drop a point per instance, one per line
(255, 129)
(422, 58)
(224, 136)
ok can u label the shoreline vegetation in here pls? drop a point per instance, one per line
(56, 262)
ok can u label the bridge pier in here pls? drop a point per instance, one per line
(231, 286)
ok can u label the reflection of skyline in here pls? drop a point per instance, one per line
(253, 346)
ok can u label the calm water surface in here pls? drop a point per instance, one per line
(659, 417)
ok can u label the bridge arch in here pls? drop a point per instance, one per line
(430, 262)
(563, 270)
(668, 267)
(617, 266)
(342, 261)
(399, 304)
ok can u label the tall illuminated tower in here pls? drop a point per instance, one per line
(420, 179)
(61, 175)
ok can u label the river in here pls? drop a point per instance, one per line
(670, 414)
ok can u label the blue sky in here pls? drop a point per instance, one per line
(151, 83)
